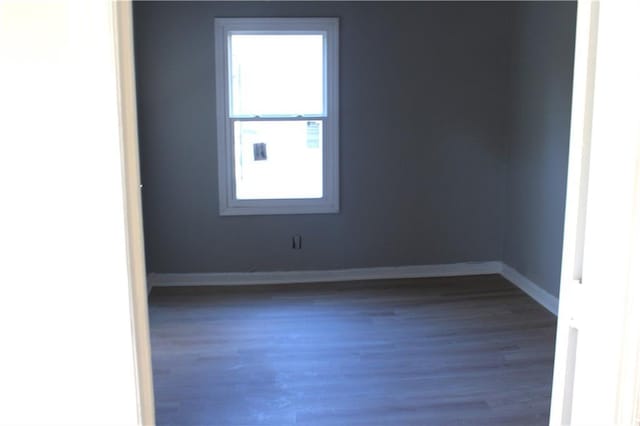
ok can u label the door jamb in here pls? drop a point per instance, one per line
(122, 15)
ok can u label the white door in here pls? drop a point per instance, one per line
(597, 359)
(73, 314)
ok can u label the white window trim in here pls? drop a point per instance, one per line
(229, 204)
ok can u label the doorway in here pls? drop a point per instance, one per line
(552, 413)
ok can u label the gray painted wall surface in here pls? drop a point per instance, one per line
(423, 110)
(543, 48)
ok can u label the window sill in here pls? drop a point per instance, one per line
(251, 209)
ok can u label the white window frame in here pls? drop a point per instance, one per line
(229, 204)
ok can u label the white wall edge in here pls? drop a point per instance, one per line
(290, 277)
(537, 293)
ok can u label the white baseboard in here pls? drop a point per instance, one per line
(537, 293)
(289, 277)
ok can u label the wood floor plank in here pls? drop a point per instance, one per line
(446, 351)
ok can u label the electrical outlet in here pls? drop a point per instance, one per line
(296, 242)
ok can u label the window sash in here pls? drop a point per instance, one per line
(325, 151)
(229, 71)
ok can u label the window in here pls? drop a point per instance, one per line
(277, 115)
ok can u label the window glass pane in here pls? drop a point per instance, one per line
(276, 74)
(278, 159)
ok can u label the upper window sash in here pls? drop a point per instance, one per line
(276, 74)
(325, 28)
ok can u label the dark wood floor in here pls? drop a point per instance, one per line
(454, 351)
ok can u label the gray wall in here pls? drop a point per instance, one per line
(543, 47)
(423, 103)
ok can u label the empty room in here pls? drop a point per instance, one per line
(353, 211)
